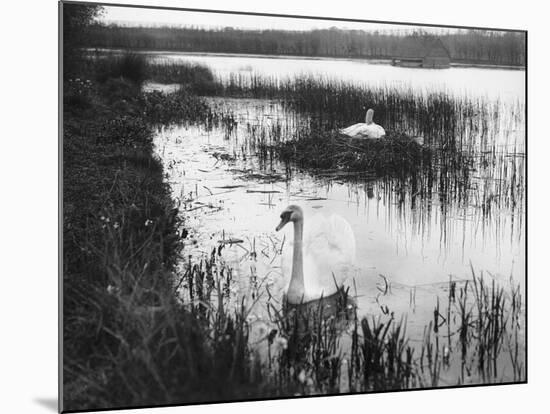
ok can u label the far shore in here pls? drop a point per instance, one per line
(369, 60)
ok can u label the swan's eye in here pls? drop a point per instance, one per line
(285, 215)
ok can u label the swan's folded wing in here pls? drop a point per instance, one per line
(329, 250)
(343, 238)
(379, 132)
(355, 130)
(333, 237)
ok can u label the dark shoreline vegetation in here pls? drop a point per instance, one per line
(137, 332)
(465, 46)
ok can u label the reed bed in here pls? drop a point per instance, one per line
(197, 78)
(180, 107)
(476, 337)
(440, 117)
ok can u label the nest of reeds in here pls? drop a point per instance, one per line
(396, 153)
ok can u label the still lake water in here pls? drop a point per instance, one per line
(503, 84)
(227, 192)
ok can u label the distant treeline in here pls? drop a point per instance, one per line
(475, 46)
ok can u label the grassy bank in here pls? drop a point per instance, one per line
(127, 338)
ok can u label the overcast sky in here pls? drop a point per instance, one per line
(154, 17)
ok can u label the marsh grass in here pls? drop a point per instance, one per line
(387, 359)
(180, 106)
(138, 68)
(441, 118)
(197, 78)
(131, 66)
(477, 335)
(127, 337)
(466, 344)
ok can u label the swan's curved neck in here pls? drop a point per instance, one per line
(296, 288)
(369, 116)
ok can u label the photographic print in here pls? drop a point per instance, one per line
(264, 206)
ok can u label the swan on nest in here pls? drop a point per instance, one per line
(368, 129)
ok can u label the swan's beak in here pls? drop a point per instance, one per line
(282, 224)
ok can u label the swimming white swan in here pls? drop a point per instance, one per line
(321, 255)
(367, 130)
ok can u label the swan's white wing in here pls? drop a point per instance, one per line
(329, 253)
(373, 131)
(344, 238)
(354, 130)
(364, 131)
(378, 131)
(333, 236)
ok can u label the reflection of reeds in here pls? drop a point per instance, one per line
(480, 323)
(483, 326)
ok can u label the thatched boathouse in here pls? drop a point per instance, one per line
(422, 52)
